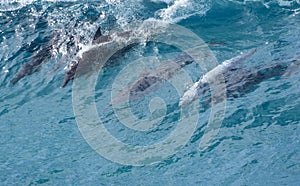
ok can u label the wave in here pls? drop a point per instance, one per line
(182, 9)
(11, 5)
(172, 11)
(77, 20)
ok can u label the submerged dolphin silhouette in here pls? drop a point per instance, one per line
(149, 81)
(40, 56)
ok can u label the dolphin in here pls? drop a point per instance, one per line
(149, 81)
(94, 57)
(201, 86)
(48, 47)
(238, 81)
(33, 66)
(43, 54)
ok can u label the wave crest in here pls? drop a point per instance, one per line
(182, 9)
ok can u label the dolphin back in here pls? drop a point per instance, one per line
(201, 86)
(236, 60)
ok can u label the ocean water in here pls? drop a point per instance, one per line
(43, 140)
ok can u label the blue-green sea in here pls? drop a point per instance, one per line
(43, 143)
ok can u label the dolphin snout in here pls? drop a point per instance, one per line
(68, 77)
(65, 82)
(70, 73)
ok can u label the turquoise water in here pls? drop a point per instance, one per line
(257, 143)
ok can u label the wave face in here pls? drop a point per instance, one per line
(258, 141)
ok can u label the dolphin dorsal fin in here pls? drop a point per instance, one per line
(97, 34)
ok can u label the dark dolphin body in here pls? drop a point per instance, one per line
(33, 66)
(102, 49)
(213, 77)
(46, 50)
(72, 67)
(150, 81)
(239, 81)
(46, 47)
(42, 49)
(39, 57)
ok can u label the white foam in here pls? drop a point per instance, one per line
(285, 2)
(164, 1)
(282, 3)
(10, 5)
(178, 10)
(5, 70)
